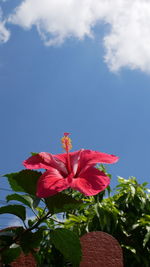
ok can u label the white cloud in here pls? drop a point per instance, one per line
(4, 33)
(126, 45)
(56, 20)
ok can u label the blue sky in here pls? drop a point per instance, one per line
(73, 84)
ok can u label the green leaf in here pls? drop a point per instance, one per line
(129, 248)
(6, 238)
(145, 184)
(132, 188)
(11, 254)
(28, 200)
(34, 153)
(29, 240)
(146, 239)
(8, 235)
(24, 181)
(36, 202)
(62, 202)
(68, 243)
(17, 210)
(31, 222)
(25, 199)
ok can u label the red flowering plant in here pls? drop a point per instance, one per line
(50, 193)
(74, 170)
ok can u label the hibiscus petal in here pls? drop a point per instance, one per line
(90, 157)
(62, 157)
(74, 159)
(92, 182)
(45, 160)
(50, 183)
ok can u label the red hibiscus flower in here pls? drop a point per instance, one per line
(74, 170)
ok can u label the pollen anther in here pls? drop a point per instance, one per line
(66, 142)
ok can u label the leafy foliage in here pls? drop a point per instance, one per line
(24, 181)
(125, 215)
(17, 210)
(24, 199)
(30, 240)
(68, 244)
(11, 254)
(61, 203)
(60, 220)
